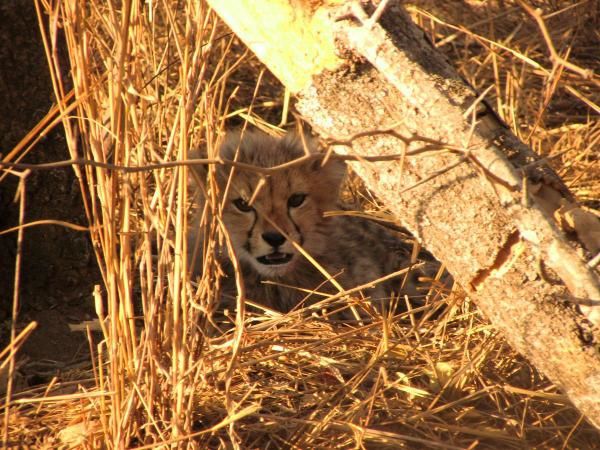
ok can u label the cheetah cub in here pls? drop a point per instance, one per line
(267, 225)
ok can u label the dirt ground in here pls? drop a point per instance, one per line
(58, 266)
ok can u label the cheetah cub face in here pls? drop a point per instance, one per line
(288, 206)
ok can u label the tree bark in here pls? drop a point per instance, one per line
(488, 214)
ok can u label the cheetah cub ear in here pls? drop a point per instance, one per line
(331, 174)
(196, 173)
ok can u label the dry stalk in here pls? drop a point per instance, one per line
(22, 196)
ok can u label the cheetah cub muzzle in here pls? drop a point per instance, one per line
(267, 225)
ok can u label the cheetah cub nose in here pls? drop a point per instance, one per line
(273, 238)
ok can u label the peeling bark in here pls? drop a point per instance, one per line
(488, 215)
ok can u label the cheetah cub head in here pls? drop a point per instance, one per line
(288, 205)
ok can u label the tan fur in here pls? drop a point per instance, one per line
(353, 250)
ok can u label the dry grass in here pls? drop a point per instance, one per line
(149, 88)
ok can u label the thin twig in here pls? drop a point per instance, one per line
(61, 223)
(554, 56)
(207, 161)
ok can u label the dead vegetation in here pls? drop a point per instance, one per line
(150, 82)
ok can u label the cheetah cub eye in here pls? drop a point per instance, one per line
(296, 200)
(242, 205)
